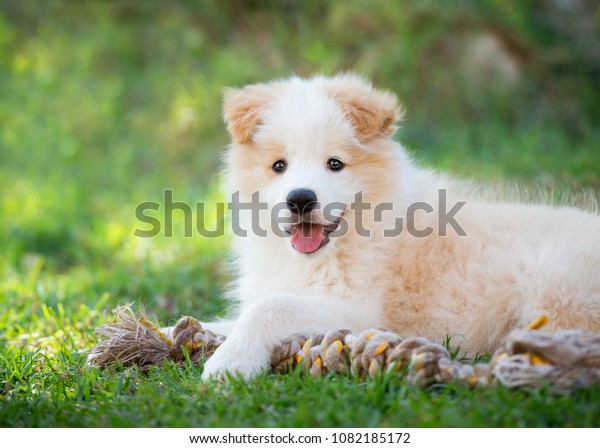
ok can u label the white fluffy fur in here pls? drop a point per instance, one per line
(517, 262)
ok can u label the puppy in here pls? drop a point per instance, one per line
(336, 227)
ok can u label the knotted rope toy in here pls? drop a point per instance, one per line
(531, 358)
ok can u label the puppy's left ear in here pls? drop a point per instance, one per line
(242, 110)
(371, 112)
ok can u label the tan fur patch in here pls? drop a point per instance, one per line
(242, 109)
(371, 112)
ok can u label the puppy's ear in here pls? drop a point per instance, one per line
(371, 112)
(242, 108)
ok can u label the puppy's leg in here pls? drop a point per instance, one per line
(262, 326)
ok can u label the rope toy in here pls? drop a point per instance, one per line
(529, 358)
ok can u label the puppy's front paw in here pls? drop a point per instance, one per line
(237, 360)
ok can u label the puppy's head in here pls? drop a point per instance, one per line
(371, 112)
(308, 147)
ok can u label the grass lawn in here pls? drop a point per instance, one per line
(99, 116)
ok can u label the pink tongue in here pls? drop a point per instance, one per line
(307, 238)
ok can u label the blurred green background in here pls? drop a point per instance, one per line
(106, 104)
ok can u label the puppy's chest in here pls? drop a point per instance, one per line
(330, 278)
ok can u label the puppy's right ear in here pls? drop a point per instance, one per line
(242, 110)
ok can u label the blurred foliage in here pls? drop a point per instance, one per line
(103, 104)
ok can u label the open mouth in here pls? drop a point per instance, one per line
(308, 237)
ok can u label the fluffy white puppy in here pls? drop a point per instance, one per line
(343, 230)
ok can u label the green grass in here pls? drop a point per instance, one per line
(98, 116)
(60, 391)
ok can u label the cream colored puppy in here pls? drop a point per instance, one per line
(343, 230)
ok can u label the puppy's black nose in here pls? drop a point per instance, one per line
(301, 201)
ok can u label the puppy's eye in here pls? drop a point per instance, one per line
(279, 166)
(335, 164)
